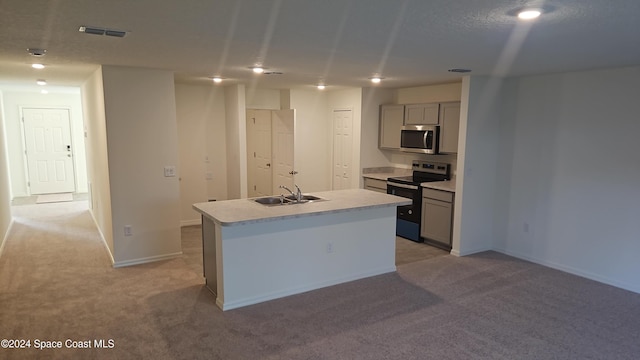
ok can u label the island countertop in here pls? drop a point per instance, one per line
(243, 211)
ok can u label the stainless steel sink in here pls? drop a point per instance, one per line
(303, 198)
(272, 200)
(286, 200)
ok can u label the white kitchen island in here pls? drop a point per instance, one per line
(254, 253)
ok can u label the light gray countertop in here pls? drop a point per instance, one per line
(244, 211)
(449, 185)
(383, 173)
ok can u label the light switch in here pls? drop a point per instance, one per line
(169, 171)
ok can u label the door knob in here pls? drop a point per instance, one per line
(68, 147)
(268, 165)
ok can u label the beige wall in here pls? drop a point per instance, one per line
(372, 98)
(236, 137)
(312, 140)
(202, 147)
(263, 99)
(142, 139)
(97, 157)
(5, 199)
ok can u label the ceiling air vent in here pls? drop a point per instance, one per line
(460, 70)
(100, 31)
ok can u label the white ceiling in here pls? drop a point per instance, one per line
(340, 42)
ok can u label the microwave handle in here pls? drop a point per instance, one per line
(424, 139)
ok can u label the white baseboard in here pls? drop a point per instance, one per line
(145, 260)
(192, 222)
(572, 270)
(104, 241)
(6, 236)
(469, 252)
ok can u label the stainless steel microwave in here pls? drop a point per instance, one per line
(422, 139)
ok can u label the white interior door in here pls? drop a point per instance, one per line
(283, 122)
(342, 148)
(259, 136)
(48, 150)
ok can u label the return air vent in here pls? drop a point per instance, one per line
(273, 73)
(100, 31)
(457, 70)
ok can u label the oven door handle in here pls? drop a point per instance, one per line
(412, 187)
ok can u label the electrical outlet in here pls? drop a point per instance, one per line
(169, 171)
(128, 230)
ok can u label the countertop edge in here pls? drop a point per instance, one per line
(259, 214)
(295, 216)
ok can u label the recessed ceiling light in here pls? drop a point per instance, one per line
(217, 79)
(376, 79)
(37, 66)
(321, 87)
(529, 14)
(41, 82)
(258, 69)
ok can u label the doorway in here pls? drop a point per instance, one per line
(48, 151)
(270, 151)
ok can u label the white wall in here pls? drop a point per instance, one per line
(569, 195)
(312, 140)
(473, 225)
(97, 157)
(348, 99)
(202, 147)
(370, 154)
(142, 139)
(16, 99)
(5, 197)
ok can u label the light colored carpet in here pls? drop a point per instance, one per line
(52, 198)
(56, 283)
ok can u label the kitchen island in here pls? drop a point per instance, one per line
(254, 253)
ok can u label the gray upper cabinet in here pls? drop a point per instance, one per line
(391, 121)
(449, 127)
(421, 114)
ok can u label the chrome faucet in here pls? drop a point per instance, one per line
(297, 195)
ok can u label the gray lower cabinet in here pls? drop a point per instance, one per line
(375, 185)
(437, 216)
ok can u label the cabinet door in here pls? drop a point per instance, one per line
(421, 114)
(449, 127)
(391, 121)
(436, 220)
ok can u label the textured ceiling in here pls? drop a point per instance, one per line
(340, 42)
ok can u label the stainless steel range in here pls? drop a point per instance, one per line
(409, 216)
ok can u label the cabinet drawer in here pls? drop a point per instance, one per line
(437, 194)
(375, 184)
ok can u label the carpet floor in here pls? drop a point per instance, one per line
(57, 284)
